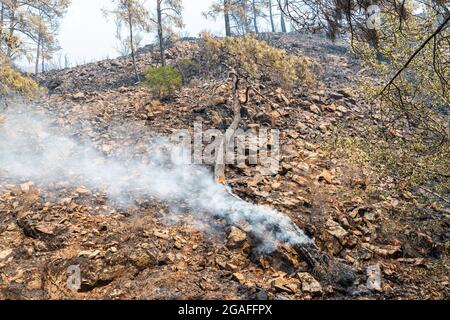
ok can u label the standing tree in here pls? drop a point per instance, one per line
(226, 12)
(272, 22)
(282, 5)
(243, 17)
(12, 16)
(2, 19)
(168, 14)
(237, 14)
(240, 15)
(249, 63)
(40, 32)
(37, 21)
(51, 15)
(2, 27)
(255, 16)
(44, 24)
(134, 15)
(225, 7)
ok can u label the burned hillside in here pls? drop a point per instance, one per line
(373, 240)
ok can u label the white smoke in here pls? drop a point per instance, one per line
(32, 148)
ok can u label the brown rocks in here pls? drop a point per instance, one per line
(344, 93)
(161, 235)
(326, 176)
(82, 191)
(236, 238)
(25, 187)
(290, 286)
(91, 254)
(342, 109)
(139, 253)
(237, 276)
(216, 119)
(302, 182)
(78, 96)
(5, 254)
(374, 278)
(45, 228)
(309, 284)
(315, 109)
(336, 96)
(336, 230)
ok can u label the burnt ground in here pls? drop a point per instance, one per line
(136, 253)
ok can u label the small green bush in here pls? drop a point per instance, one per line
(12, 81)
(163, 80)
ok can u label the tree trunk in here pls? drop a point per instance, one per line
(38, 57)
(11, 34)
(133, 55)
(226, 12)
(255, 18)
(43, 59)
(245, 16)
(2, 17)
(160, 34)
(219, 170)
(283, 22)
(272, 23)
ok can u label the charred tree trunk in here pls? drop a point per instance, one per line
(160, 34)
(11, 34)
(43, 59)
(2, 16)
(226, 12)
(255, 17)
(244, 18)
(272, 23)
(283, 21)
(219, 170)
(38, 57)
(133, 55)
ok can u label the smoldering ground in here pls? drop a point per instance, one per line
(34, 148)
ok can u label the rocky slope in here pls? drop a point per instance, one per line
(137, 253)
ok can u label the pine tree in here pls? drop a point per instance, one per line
(272, 22)
(226, 12)
(232, 11)
(37, 21)
(167, 15)
(282, 4)
(134, 15)
(250, 63)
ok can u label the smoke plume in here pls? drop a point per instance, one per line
(33, 148)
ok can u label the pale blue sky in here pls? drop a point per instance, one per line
(86, 35)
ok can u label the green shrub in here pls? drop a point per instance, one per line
(163, 80)
(12, 81)
(257, 60)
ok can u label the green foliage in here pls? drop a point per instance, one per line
(410, 136)
(398, 163)
(163, 80)
(256, 60)
(26, 22)
(12, 81)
